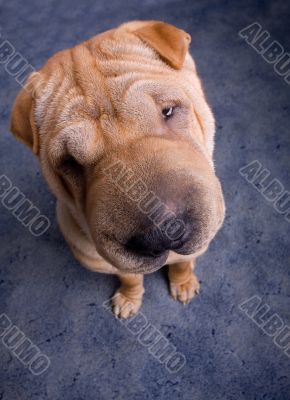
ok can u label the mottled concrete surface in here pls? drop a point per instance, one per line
(58, 304)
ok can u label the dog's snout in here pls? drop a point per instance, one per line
(170, 235)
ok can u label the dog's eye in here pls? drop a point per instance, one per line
(167, 112)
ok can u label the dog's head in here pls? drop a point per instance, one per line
(125, 139)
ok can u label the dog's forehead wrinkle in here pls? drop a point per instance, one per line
(121, 68)
(52, 86)
(126, 53)
(84, 71)
(126, 49)
(126, 44)
(75, 75)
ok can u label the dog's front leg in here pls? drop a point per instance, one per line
(128, 298)
(183, 283)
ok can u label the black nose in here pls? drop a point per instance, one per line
(172, 234)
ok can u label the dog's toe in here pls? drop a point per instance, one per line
(184, 292)
(124, 307)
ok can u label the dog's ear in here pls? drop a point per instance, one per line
(22, 123)
(168, 41)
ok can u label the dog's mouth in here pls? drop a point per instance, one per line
(129, 261)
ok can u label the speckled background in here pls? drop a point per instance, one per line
(58, 304)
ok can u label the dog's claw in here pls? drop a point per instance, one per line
(173, 292)
(186, 291)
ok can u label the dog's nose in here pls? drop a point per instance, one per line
(172, 234)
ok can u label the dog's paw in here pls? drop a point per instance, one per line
(184, 292)
(125, 307)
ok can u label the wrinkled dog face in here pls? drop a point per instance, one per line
(125, 139)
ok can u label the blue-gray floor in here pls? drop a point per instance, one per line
(58, 304)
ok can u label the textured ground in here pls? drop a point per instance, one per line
(58, 304)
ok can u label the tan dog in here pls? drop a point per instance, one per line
(125, 140)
